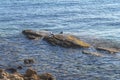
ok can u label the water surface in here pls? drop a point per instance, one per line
(91, 20)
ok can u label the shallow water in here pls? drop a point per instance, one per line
(91, 20)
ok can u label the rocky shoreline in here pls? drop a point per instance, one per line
(62, 40)
(30, 74)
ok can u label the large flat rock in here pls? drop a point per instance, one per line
(66, 41)
(110, 50)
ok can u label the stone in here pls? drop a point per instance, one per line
(19, 67)
(6, 76)
(92, 53)
(3, 74)
(110, 50)
(46, 76)
(63, 40)
(35, 34)
(30, 72)
(28, 61)
(67, 41)
(31, 75)
(15, 77)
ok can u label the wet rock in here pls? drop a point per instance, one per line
(29, 75)
(19, 67)
(110, 50)
(32, 75)
(6, 76)
(3, 75)
(57, 39)
(29, 61)
(30, 72)
(46, 76)
(11, 70)
(92, 53)
(66, 41)
(15, 77)
(34, 34)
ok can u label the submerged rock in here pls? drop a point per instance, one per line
(31, 75)
(29, 61)
(110, 50)
(66, 41)
(11, 70)
(92, 53)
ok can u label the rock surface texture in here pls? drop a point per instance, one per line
(29, 75)
(35, 34)
(64, 40)
(92, 53)
(110, 50)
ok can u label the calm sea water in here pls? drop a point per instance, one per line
(91, 18)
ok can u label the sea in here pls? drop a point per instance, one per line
(94, 21)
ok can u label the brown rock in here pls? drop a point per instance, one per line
(46, 76)
(3, 74)
(31, 75)
(66, 41)
(6, 76)
(30, 72)
(57, 39)
(15, 77)
(34, 34)
(92, 53)
(110, 50)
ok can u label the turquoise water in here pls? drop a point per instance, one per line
(91, 19)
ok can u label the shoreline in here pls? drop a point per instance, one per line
(53, 53)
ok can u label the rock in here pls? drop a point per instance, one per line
(57, 39)
(29, 75)
(20, 67)
(15, 77)
(92, 53)
(66, 41)
(28, 61)
(32, 75)
(46, 76)
(30, 72)
(35, 35)
(3, 74)
(110, 50)
(6, 76)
